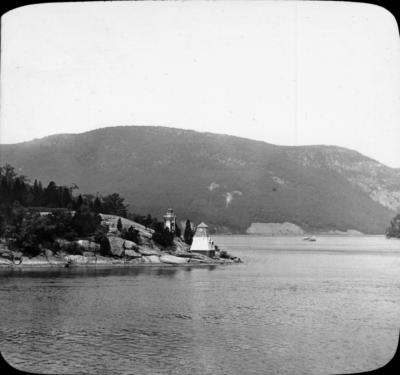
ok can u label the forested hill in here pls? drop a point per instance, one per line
(226, 181)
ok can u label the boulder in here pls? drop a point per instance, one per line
(132, 254)
(116, 245)
(180, 245)
(48, 253)
(88, 245)
(151, 259)
(144, 250)
(130, 245)
(83, 243)
(112, 220)
(171, 259)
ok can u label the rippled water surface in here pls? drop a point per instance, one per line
(331, 306)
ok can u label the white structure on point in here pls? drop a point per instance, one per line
(170, 220)
(202, 242)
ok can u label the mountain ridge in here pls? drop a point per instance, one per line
(227, 181)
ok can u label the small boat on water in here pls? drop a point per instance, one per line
(309, 238)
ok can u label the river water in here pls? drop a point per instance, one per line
(292, 307)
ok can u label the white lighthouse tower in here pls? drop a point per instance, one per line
(202, 242)
(170, 220)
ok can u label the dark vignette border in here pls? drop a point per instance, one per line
(393, 366)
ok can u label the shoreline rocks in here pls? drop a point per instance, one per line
(121, 252)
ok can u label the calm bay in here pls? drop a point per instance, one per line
(293, 306)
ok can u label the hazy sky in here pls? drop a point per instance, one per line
(289, 73)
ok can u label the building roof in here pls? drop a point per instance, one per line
(202, 225)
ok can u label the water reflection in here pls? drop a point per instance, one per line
(102, 271)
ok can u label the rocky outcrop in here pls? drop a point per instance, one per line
(130, 245)
(112, 220)
(171, 259)
(130, 254)
(148, 251)
(116, 245)
(151, 259)
(120, 251)
(88, 245)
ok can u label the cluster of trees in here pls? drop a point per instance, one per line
(130, 234)
(14, 187)
(161, 235)
(30, 232)
(71, 217)
(394, 230)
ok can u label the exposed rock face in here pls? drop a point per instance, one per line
(380, 182)
(171, 259)
(132, 254)
(180, 245)
(151, 259)
(275, 229)
(116, 245)
(112, 220)
(130, 245)
(147, 251)
(88, 245)
(123, 252)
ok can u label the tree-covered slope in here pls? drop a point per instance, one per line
(226, 181)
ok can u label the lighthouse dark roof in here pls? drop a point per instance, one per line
(202, 225)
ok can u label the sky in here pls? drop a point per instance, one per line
(284, 72)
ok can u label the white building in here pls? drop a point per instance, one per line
(202, 242)
(170, 220)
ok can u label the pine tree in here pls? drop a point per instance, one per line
(97, 205)
(178, 231)
(79, 201)
(188, 234)
(119, 224)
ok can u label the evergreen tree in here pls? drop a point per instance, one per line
(163, 236)
(188, 234)
(51, 195)
(2, 224)
(131, 234)
(97, 207)
(79, 202)
(113, 204)
(119, 225)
